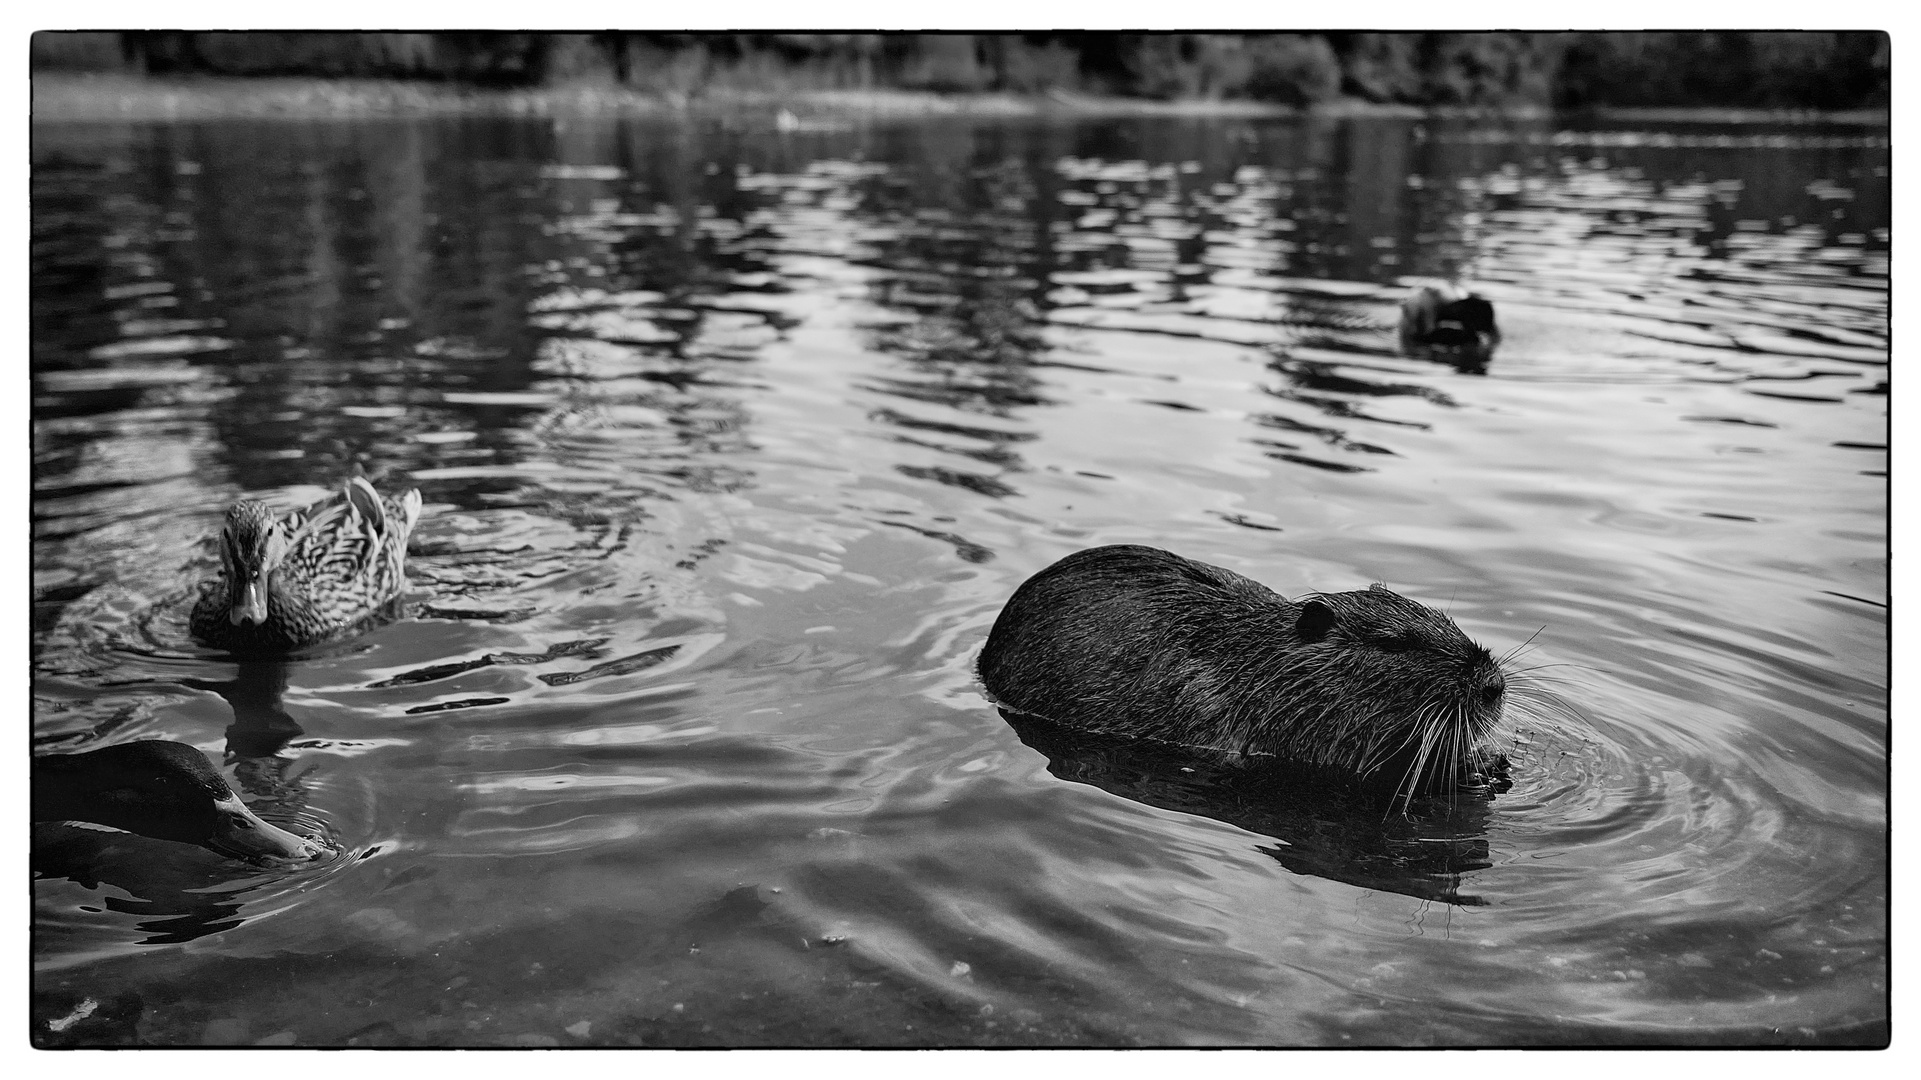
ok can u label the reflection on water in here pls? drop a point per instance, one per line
(733, 441)
(1324, 827)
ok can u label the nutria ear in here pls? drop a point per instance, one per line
(1315, 621)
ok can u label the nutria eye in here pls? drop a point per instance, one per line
(1315, 621)
(1397, 643)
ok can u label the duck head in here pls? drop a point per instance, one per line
(1447, 323)
(1468, 320)
(161, 789)
(251, 548)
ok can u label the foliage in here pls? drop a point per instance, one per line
(1803, 69)
(1032, 63)
(1294, 69)
(1782, 69)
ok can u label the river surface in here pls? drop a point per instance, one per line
(734, 439)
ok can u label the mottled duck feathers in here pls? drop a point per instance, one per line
(309, 576)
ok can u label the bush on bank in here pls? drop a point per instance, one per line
(1737, 69)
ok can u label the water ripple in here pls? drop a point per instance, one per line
(732, 446)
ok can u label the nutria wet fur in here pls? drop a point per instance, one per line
(1141, 642)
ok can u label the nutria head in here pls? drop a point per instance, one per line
(1376, 684)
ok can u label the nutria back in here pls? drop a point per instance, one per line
(1141, 642)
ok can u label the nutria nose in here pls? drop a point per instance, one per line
(1492, 687)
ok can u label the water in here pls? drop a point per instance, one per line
(734, 441)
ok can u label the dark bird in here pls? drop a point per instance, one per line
(1449, 320)
(162, 789)
(287, 582)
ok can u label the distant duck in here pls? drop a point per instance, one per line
(1448, 319)
(161, 789)
(288, 582)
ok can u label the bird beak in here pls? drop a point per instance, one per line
(240, 832)
(250, 603)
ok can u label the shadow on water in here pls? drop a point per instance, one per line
(1470, 359)
(1323, 827)
(177, 892)
(261, 725)
(261, 729)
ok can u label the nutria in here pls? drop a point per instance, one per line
(1141, 642)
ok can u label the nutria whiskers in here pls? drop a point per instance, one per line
(1140, 642)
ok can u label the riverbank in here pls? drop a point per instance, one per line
(70, 97)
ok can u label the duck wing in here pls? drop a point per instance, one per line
(392, 518)
(360, 495)
(408, 509)
(347, 535)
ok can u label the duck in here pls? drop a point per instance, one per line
(163, 789)
(1449, 318)
(289, 582)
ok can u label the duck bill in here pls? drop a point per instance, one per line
(241, 833)
(250, 603)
